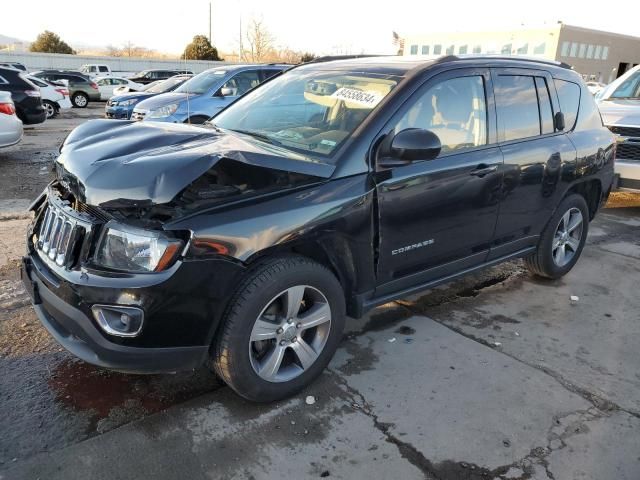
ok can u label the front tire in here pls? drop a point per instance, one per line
(50, 108)
(562, 240)
(280, 330)
(80, 100)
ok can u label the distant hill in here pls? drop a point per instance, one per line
(5, 40)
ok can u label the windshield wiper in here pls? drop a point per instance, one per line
(258, 135)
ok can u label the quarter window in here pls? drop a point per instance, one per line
(517, 105)
(569, 97)
(455, 110)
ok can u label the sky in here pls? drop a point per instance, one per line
(322, 26)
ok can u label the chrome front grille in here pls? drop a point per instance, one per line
(58, 233)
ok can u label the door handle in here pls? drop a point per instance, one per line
(483, 170)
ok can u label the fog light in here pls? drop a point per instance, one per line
(119, 321)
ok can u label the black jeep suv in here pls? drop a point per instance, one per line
(326, 191)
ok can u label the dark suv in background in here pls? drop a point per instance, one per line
(82, 89)
(324, 192)
(148, 76)
(26, 96)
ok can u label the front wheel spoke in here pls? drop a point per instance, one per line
(565, 220)
(271, 364)
(317, 315)
(559, 255)
(556, 241)
(305, 353)
(573, 243)
(293, 299)
(263, 330)
(574, 223)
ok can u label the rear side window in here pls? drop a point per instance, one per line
(569, 96)
(517, 103)
(103, 69)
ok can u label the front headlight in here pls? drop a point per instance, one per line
(128, 103)
(165, 111)
(135, 250)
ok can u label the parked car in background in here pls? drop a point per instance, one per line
(16, 65)
(54, 97)
(81, 88)
(10, 124)
(595, 87)
(94, 70)
(331, 189)
(122, 89)
(121, 106)
(26, 96)
(619, 104)
(148, 76)
(205, 94)
(107, 85)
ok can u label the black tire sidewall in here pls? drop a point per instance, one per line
(546, 241)
(46, 104)
(243, 314)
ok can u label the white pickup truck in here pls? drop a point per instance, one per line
(95, 70)
(619, 104)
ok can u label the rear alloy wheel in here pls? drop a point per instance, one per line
(50, 108)
(80, 100)
(280, 329)
(562, 240)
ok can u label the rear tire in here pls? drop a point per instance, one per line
(265, 356)
(562, 240)
(80, 100)
(50, 108)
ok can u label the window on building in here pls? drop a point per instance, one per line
(569, 96)
(455, 110)
(546, 111)
(574, 50)
(605, 53)
(523, 49)
(565, 49)
(450, 50)
(539, 49)
(437, 49)
(598, 52)
(462, 49)
(425, 49)
(506, 49)
(414, 49)
(477, 49)
(517, 104)
(590, 49)
(582, 50)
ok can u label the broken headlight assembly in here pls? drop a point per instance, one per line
(135, 250)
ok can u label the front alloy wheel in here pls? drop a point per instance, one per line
(566, 240)
(290, 333)
(280, 329)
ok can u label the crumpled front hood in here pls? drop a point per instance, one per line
(151, 162)
(161, 100)
(620, 112)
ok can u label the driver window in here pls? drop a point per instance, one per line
(242, 82)
(455, 110)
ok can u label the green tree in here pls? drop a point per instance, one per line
(49, 42)
(200, 49)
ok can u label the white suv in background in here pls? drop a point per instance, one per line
(54, 97)
(619, 105)
(10, 124)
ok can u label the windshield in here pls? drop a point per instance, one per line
(166, 85)
(202, 82)
(140, 74)
(308, 111)
(630, 88)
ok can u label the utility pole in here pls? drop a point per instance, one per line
(240, 41)
(210, 40)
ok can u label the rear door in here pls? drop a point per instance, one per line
(534, 155)
(438, 217)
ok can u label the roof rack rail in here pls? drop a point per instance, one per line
(451, 58)
(329, 58)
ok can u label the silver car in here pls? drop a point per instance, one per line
(10, 124)
(619, 104)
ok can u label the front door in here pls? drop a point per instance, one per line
(438, 216)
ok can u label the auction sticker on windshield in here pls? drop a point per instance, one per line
(367, 99)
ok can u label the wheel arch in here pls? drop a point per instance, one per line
(591, 191)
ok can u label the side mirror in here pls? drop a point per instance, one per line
(226, 92)
(558, 121)
(410, 145)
